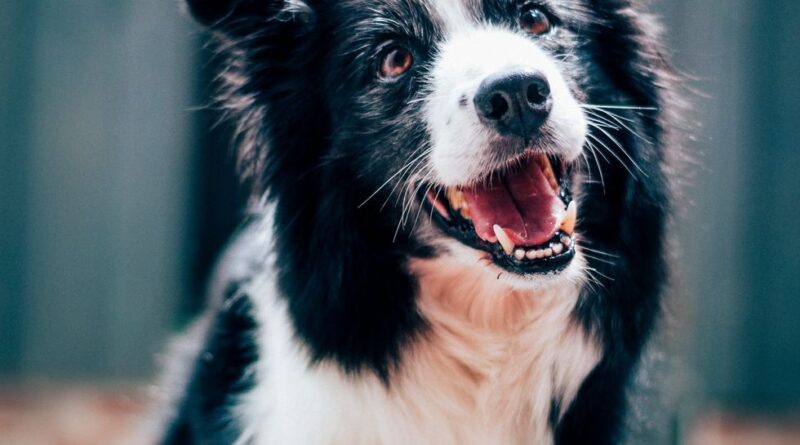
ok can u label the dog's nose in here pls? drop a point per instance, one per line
(515, 103)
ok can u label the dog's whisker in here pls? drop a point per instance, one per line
(593, 152)
(617, 107)
(399, 172)
(598, 259)
(612, 153)
(619, 145)
(621, 120)
(599, 252)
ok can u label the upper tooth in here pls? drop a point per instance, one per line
(503, 239)
(568, 224)
(456, 198)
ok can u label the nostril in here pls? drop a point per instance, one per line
(538, 92)
(497, 107)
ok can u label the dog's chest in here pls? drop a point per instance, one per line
(468, 380)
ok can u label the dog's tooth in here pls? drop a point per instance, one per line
(568, 224)
(456, 198)
(531, 254)
(557, 248)
(548, 252)
(519, 254)
(504, 239)
(566, 241)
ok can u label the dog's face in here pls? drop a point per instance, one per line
(470, 113)
(461, 123)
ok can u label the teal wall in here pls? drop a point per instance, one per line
(96, 102)
(739, 316)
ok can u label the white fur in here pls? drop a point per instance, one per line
(461, 143)
(495, 356)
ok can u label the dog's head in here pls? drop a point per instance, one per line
(504, 133)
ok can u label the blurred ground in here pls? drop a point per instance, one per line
(68, 416)
(95, 417)
(730, 429)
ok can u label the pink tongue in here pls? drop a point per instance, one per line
(522, 202)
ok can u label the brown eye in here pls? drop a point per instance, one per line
(396, 62)
(534, 21)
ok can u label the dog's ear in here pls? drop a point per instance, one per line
(219, 13)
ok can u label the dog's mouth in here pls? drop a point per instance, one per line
(523, 216)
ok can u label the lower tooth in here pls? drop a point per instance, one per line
(565, 240)
(558, 248)
(531, 255)
(519, 254)
(548, 252)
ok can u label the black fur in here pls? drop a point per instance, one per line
(219, 375)
(319, 133)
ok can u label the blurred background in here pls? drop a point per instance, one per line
(116, 193)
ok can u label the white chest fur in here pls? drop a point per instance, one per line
(485, 373)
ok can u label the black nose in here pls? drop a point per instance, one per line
(514, 103)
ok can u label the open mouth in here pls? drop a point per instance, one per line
(523, 216)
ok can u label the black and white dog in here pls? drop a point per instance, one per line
(460, 237)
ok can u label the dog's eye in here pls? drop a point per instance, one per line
(396, 62)
(535, 21)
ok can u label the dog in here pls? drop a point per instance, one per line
(460, 224)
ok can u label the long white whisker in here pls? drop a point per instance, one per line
(612, 153)
(593, 151)
(622, 149)
(599, 252)
(616, 107)
(621, 121)
(399, 172)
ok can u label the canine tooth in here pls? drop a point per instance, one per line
(531, 254)
(519, 254)
(558, 248)
(504, 240)
(568, 224)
